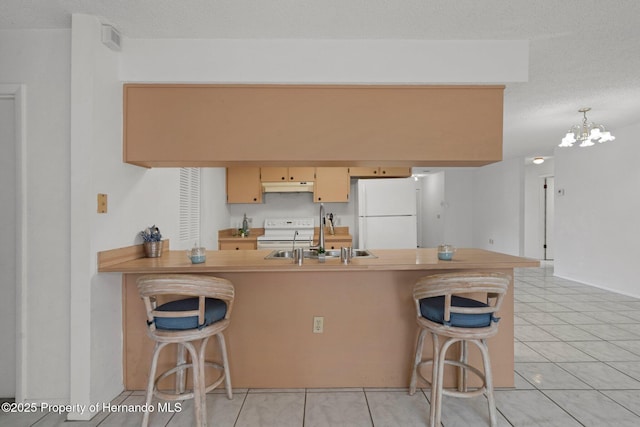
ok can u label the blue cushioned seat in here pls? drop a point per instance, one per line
(433, 309)
(214, 311)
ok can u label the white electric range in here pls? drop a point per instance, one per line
(280, 233)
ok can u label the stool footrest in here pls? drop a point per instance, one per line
(189, 395)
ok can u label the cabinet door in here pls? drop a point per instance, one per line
(395, 172)
(332, 185)
(337, 243)
(243, 185)
(236, 246)
(364, 172)
(302, 174)
(273, 174)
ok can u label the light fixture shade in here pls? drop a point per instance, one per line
(587, 133)
(538, 160)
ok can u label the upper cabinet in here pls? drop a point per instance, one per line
(275, 174)
(196, 125)
(332, 185)
(379, 172)
(243, 185)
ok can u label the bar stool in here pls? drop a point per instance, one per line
(189, 323)
(444, 313)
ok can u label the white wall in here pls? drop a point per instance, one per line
(498, 203)
(137, 198)
(458, 206)
(597, 224)
(432, 215)
(326, 61)
(214, 211)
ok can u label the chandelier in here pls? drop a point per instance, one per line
(587, 133)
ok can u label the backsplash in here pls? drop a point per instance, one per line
(278, 205)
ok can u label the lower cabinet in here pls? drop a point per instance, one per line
(337, 243)
(236, 246)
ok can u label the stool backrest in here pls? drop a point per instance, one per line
(153, 285)
(494, 285)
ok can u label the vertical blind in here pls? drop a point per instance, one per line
(190, 204)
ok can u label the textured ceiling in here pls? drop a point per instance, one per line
(582, 52)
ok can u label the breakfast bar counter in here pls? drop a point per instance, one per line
(369, 330)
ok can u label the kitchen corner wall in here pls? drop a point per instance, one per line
(138, 198)
(498, 207)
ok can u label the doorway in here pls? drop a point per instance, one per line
(8, 223)
(549, 193)
(13, 231)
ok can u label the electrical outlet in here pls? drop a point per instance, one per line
(491, 241)
(318, 324)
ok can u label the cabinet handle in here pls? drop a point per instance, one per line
(384, 172)
(282, 178)
(237, 249)
(291, 179)
(375, 172)
(255, 199)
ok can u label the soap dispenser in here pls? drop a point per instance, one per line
(245, 226)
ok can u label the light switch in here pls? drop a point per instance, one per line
(102, 203)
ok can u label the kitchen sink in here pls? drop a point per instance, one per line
(311, 254)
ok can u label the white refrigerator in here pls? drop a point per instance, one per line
(386, 212)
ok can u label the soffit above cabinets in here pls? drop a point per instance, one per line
(169, 125)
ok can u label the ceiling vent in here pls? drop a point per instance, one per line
(111, 37)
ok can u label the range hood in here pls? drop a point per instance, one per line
(288, 187)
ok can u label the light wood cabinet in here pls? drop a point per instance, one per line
(237, 246)
(333, 243)
(332, 185)
(243, 185)
(206, 125)
(273, 174)
(379, 172)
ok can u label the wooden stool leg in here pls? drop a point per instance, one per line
(181, 359)
(416, 361)
(200, 410)
(462, 371)
(442, 355)
(436, 383)
(488, 377)
(152, 380)
(225, 365)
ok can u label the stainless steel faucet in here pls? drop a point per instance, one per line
(321, 246)
(294, 240)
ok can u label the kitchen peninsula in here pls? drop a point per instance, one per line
(369, 320)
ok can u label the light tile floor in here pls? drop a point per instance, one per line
(577, 354)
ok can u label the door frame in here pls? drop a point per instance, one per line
(543, 214)
(17, 92)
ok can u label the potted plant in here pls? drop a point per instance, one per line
(152, 241)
